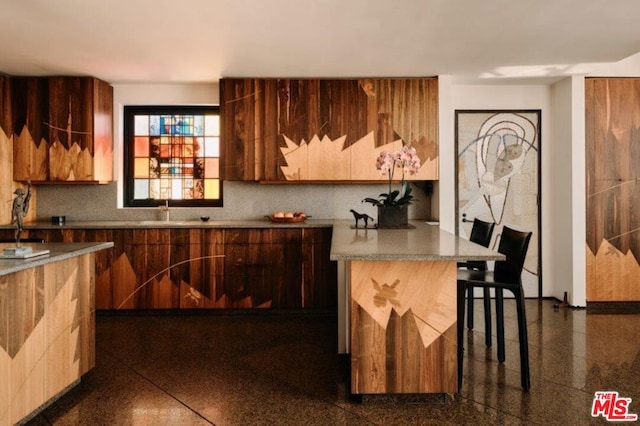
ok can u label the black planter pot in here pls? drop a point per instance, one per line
(393, 216)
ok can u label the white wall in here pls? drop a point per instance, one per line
(566, 215)
(153, 94)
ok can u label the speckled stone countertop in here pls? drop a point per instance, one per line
(57, 252)
(425, 242)
(128, 224)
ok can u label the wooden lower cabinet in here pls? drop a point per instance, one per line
(47, 336)
(200, 268)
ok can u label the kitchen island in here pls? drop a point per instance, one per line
(47, 321)
(397, 306)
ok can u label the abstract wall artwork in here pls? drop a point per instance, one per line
(498, 177)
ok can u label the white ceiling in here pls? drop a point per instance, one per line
(165, 41)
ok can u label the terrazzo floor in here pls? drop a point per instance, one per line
(282, 369)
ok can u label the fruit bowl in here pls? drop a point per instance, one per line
(297, 218)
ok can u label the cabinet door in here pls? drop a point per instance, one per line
(193, 257)
(30, 140)
(248, 268)
(63, 129)
(79, 129)
(141, 272)
(6, 146)
(325, 130)
(104, 259)
(320, 275)
(613, 189)
(285, 278)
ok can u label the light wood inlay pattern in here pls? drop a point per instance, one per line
(195, 268)
(325, 130)
(63, 129)
(47, 337)
(403, 317)
(613, 188)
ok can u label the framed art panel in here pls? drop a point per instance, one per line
(498, 178)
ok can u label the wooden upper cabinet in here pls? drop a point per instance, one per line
(6, 115)
(325, 130)
(6, 148)
(63, 129)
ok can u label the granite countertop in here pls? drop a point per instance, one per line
(128, 224)
(425, 242)
(57, 252)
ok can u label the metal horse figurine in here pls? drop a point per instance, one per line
(362, 216)
(20, 209)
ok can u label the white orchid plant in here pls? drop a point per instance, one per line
(387, 162)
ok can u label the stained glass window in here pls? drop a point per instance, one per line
(172, 154)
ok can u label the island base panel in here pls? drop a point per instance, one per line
(403, 327)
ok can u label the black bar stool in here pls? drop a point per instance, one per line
(506, 276)
(481, 233)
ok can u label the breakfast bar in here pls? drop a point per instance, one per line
(397, 305)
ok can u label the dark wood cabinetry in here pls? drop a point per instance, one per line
(30, 112)
(194, 268)
(325, 130)
(6, 114)
(6, 147)
(613, 189)
(63, 129)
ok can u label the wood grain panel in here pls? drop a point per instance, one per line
(70, 116)
(613, 193)
(271, 159)
(102, 153)
(69, 309)
(184, 265)
(6, 147)
(63, 129)
(403, 317)
(214, 261)
(287, 268)
(49, 333)
(266, 128)
(6, 106)
(30, 144)
(237, 126)
(103, 261)
(319, 277)
(287, 280)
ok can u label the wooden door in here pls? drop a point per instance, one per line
(498, 178)
(613, 191)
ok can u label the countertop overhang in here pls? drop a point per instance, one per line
(128, 224)
(425, 242)
(57, 252)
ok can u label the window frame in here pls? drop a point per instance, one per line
(129, 113)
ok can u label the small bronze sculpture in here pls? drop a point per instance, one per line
(362, 216)
(20, 209)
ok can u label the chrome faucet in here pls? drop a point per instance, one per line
(165, 209)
